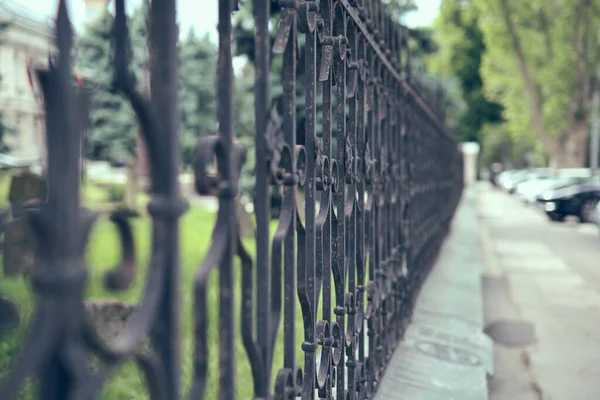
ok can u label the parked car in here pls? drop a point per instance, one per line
(529, 190)
(514, 179)
(495, 171)
(578, 198)
(524, 176)
(597, 215)
(504, 177)
(575, 173)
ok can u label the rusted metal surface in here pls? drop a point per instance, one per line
(380, 179)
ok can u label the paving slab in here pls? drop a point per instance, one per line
(445, 354)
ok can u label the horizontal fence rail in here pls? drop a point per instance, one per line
(370, 179)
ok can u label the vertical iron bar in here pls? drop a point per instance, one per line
(361, 220)
(290, 271)
(310, 77)
(326, 195)
(339, 197)
(289, 129)
(262, 203)
(164, 85)
(225, 85)
(371, 220)
(377, 233)
(326, 141)
(351, 154)
(397, 183)
(61, 259)
(387, 210)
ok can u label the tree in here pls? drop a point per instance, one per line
(112, 132)
(398, 8)
(198, 91)
(4, 130)
(461, 49)
(540, 65)
(420, 41)
(244, 126)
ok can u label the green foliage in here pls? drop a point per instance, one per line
(421, 43)
(398, 8)
(116, 192)
(126, 381)
(126, 211)
(498, 145)
(560, 50)
(447, 96)
(198, 91)
(113, 129)
(461, 50)
(5, 181)
(244, 37)
(4, 130)
(244, 126)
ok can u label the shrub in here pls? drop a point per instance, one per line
(126, 211)
(116, 192)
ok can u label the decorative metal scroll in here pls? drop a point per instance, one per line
(378, 173)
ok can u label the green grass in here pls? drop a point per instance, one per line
(103, 253)
(96, 194)
(4, 189)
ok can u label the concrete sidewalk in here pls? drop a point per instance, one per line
(445, 355)
(542, 291)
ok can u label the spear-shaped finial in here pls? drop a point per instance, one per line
(122, 55)
(64, 33)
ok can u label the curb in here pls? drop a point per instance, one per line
(491, 267)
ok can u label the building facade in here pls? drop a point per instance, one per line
(25, 44)
(94, 9)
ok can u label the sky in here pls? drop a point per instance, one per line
(202, 14)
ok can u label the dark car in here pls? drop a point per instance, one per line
(577, 198)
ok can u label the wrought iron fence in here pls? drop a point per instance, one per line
(380, 177)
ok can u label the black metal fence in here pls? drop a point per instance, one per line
(380, 177)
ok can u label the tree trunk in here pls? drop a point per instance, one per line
(572, 151)
(535, 102)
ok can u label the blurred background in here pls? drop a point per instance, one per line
(517, 80)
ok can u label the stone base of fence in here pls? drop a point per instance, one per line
(445, 354)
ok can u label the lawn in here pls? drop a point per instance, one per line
(102, 254)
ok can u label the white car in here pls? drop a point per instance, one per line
(502, 178)
(528, 191)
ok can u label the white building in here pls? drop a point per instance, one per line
(27, 40)
(94, 9)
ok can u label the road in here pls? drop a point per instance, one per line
(542, 301)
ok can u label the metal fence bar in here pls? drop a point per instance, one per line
(370, 179)
(261, 370)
